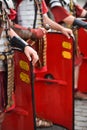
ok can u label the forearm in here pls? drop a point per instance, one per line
(16, 41)
(29, 33)
(79, 23)
(24, 33)
(53, 25)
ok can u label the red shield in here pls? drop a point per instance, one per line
(21, 117)
(53, 89)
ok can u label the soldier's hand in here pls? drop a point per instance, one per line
(31, 54)
(67, 32)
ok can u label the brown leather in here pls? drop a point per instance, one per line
(79, 95)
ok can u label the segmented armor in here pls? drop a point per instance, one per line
(26, 14)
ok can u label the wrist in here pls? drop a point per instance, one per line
(26, 47)
(18, 43)
(61, 29)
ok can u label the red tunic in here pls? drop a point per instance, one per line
(60, 13)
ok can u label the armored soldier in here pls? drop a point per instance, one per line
(29, 11)
(67, 12)
(8, 40)
(67, 8)
(34, 16)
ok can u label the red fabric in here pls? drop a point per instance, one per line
(79, 10)
(59, 13)
(44, 7)
(12, 15)
(37, 32)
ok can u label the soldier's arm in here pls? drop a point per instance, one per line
(27, 33)
(17, 41)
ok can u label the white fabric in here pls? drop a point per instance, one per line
(26, 12)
